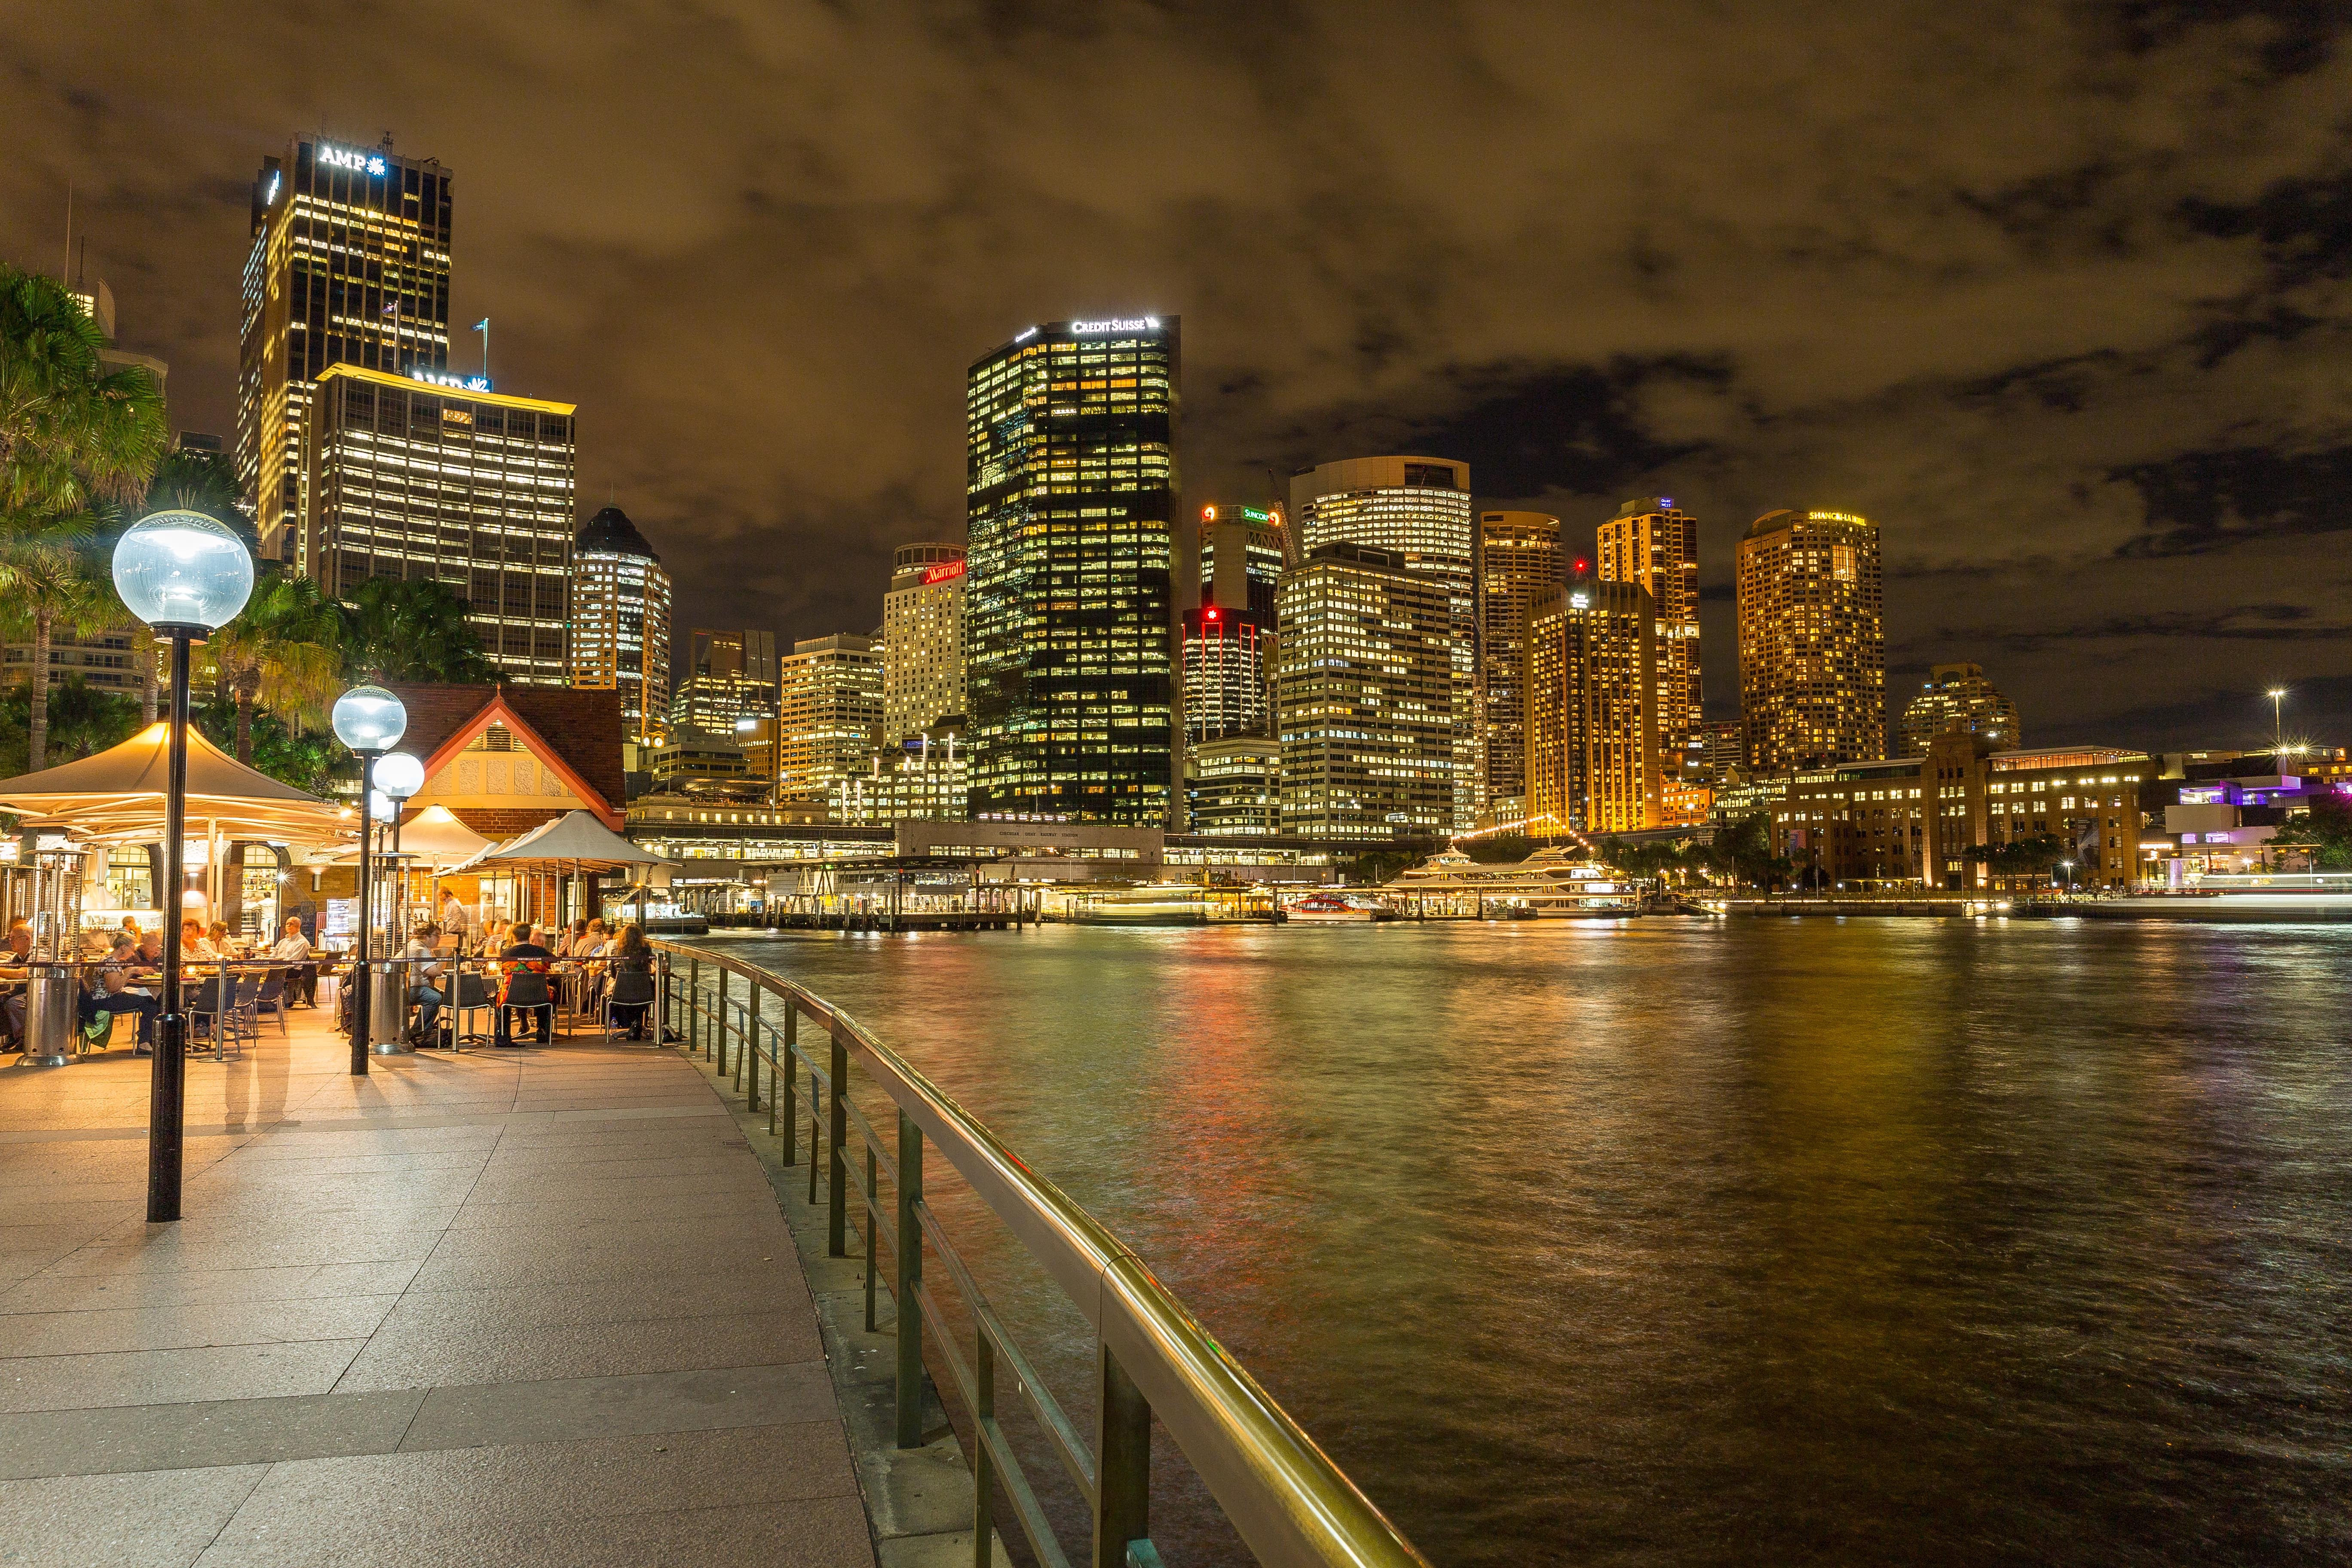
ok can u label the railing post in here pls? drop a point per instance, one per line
(693, 1005)
(751, 1058)
(1122, 1464)
(746, 1038)
(718, 1029)
(984, 1468)
(837, 1206)
(873, 1237)
(910, 1274)
(787, 1071)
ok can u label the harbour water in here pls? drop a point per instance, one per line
(1683, 1241)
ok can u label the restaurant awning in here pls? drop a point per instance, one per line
(433, 839)
(117, 797)
(575, 841)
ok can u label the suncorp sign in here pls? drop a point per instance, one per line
(1116, 324)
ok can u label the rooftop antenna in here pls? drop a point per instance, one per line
(483, 327)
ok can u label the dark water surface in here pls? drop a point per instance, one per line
(1696, 1242)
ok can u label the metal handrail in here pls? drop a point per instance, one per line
(1288, 1502)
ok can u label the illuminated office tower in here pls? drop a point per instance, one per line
(350, 265)
(1227, 664)
(620, 622)
(1960, 694)
(1069, 608)
(831, 722)
(1593, 761)
(1418, 510)
(1813, 649)
(1241, 558)
(1519, 562)
(1654, 542)
(1365, 689)
(410, 479)
(922, 640)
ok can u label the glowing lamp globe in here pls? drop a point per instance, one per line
(369, 718)
(399, 775)
(182, 569)
(381, 808)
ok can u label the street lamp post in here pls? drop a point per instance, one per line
(370, 720)
(399, 776)
(185, 575)
(2277, 694)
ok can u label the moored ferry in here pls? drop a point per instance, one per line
(1550, 884)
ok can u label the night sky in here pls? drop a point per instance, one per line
(2056, 294)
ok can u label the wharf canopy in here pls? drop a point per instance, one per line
(506, 759)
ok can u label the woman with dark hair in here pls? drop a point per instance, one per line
(632, 996)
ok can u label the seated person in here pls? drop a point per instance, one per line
(14, 967)
(424, 978)
(524, 955)
(631, 956)
(106, 988)
(194, 945)
(293, 950)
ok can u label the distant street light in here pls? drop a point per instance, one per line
(2278, 722)
(371, 721)
(185, 575)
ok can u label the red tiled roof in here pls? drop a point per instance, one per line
(583, 727)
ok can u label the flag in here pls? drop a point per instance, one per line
(481, 324)
(391, 307)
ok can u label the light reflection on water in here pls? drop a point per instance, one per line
(1678, 1241)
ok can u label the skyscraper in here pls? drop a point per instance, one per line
(832, 715)
(1959, 692)
(620, 622)
(1241, 558)
(1366, 692)
(409, 478)
(1418, 510)
(350, 265)
(1519, 562)
(922, 640)
(1654, 542)
(1069, 607)
(1813, 649)
(1228, 668)
(1593, 761)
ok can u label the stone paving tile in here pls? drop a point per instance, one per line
(162, 1518)
(566, 1408)
(416, 1353)
(88, 1331)
(203, 1433)
(636, 1298)
(194, 1287)
(172, 1376)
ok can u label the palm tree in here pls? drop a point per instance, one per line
(280, 653)
(414, 630)
(74, 433)
(50, 589)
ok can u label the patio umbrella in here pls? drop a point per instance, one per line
(575, 842)
(117, 797)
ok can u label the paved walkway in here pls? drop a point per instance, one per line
(510, 1307)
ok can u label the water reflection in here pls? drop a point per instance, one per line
(1697, 1242)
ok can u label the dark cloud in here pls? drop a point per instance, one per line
(2057, 294)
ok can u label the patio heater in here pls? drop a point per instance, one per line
(370, 720)
(399, 776)
(186, 576)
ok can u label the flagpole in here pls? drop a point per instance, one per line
(483, 327)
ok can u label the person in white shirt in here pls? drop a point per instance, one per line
(456, 921)
(195, 945)
(424, 977)
(293, 950)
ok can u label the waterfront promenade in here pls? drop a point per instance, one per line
(522, 1306)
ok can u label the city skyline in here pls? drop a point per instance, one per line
(2062, 374)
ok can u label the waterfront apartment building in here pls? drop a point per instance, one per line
(1944, 820)
(1960, 694)
(831, 725)
(1418, 511)
(349, 265)
(1593, 760)
(923, 640)
(1070, 602)
(1519, 562)
(407, 479)
(922, 778)
(1654, 542)
(1365, 691)
(1813, 647)
(1233, 787)
(620, 622)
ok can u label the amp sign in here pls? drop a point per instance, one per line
(445, 378)
(346, 158)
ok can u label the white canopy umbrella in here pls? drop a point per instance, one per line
(575, 843)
